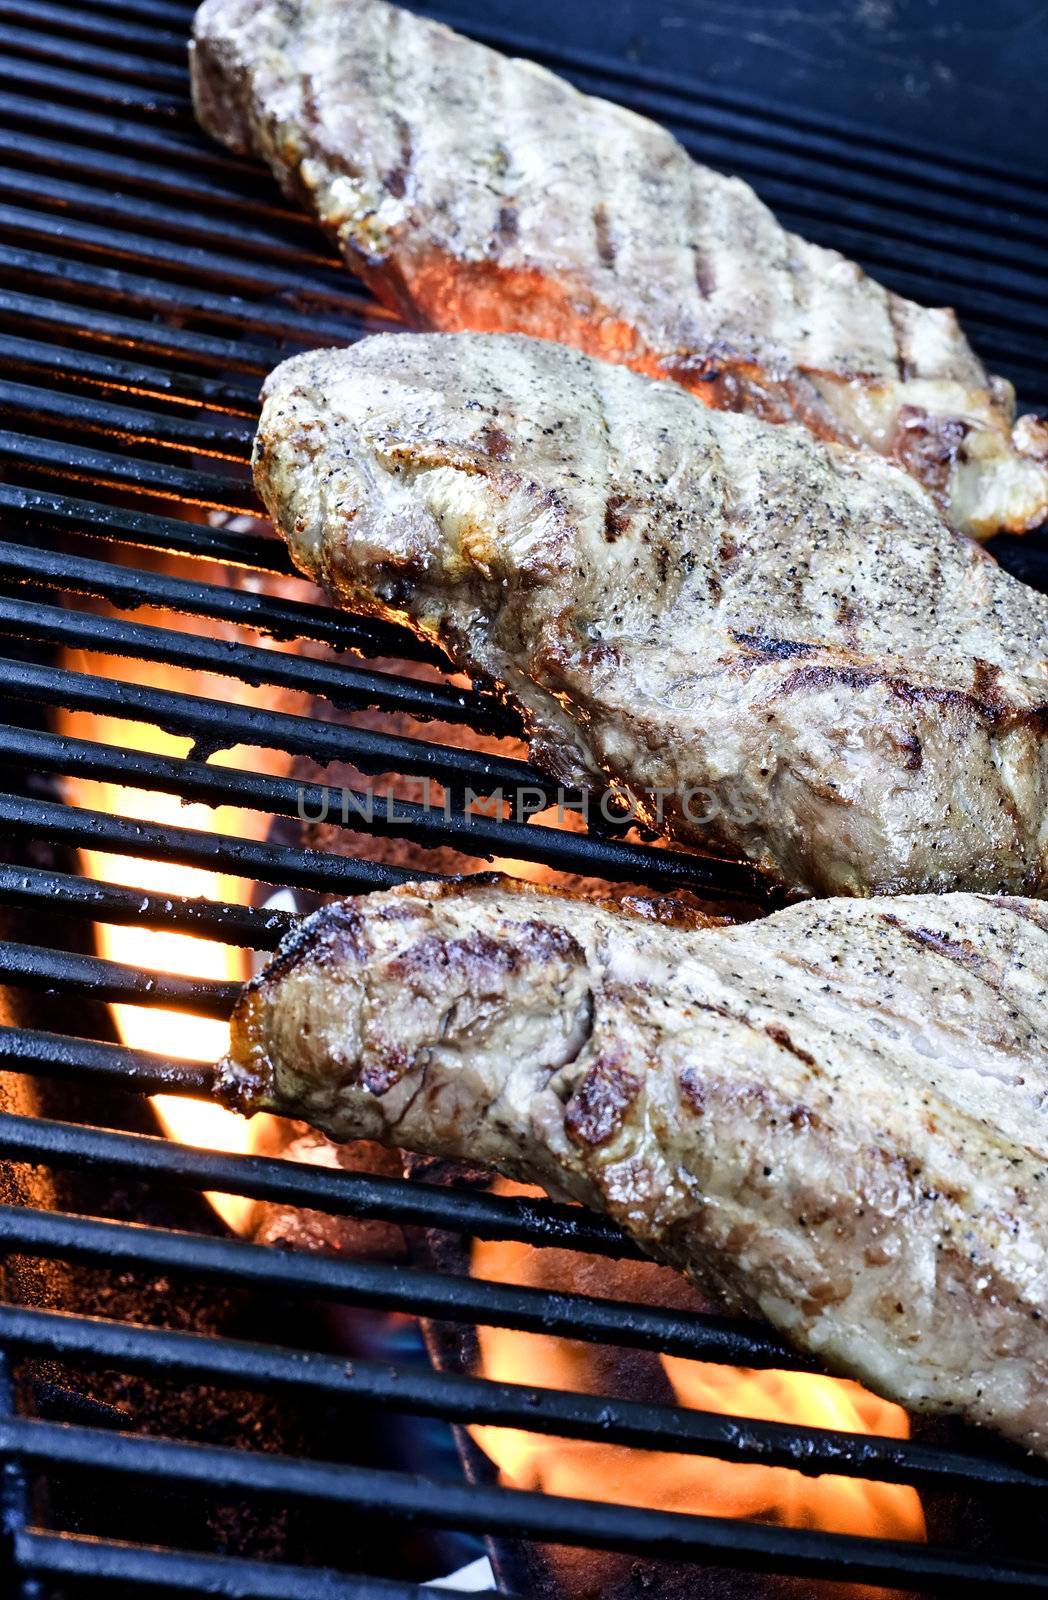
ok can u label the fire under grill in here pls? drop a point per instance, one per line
(147, 283)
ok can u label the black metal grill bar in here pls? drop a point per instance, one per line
(110, 902)
(203, 432)
(264, 613)
(98, 367)
(341, 685)
(1020, 239)
(472, 833)
(56, 1235)
(83, 1559)
(566, 1414)
(241, 274)
(131, 474)
(43, 43)
(256, 223)
(59, 1055)
(124, 525)
(515, 1513)
(183, 146)
(131, 333)
(294, 246)
(192, 181)
(61, 82)
(267, 613)
(540, 1223)
(170, 12)
(80, 22)
(183, 141)
(269, 863)
(30, 966)
(217, 726)
(270, 315)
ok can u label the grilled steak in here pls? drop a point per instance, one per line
(774, 642)
(835, 1117)
(476, 192)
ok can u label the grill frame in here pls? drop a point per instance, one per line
(104, 314)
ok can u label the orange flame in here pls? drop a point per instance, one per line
(173, 1033)
(170, 1032)
(674, 1482)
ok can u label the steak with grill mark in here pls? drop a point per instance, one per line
(476, 192)
(834, 1118)
(774, 642)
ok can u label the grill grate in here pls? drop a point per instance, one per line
(147, 282)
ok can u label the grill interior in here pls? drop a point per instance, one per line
(147, 283)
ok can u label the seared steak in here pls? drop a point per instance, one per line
(476, 192)
(835, 1118)
(774, 642)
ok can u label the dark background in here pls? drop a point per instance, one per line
(955, 75)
